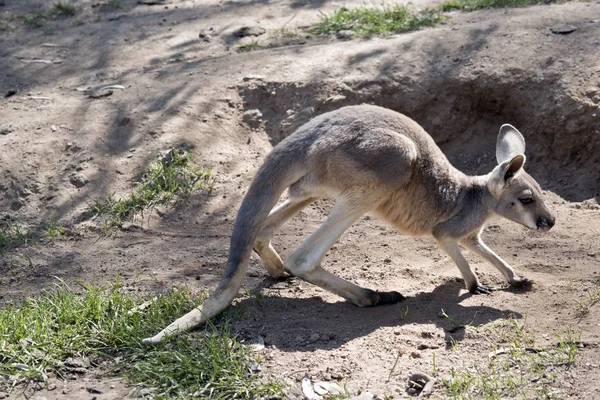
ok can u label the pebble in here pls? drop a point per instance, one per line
(335, 375)
(77, 181)
(345, 34)
(249, 31)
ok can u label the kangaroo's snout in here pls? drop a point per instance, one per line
(545, 223)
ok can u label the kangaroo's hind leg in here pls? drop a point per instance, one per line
(278, 216)
(305, 261)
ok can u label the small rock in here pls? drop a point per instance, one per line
(259, 345)
(3, 395)
(335, 375)
(77, 362)
(563, 29)
(51, 387)
(204, 36)
(387, 260)
(346, 34)
(94, 390)
(307, 389)
(254, 367)
(78, 181)
(412, 391)
(129, 226)
(253, 78)
(415, 354)
(249, 31)
(328, 387)
(252, 118)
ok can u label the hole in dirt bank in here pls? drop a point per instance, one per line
(463, 116)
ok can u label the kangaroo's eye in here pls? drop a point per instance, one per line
(526, 200)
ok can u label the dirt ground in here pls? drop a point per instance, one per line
(186, 85)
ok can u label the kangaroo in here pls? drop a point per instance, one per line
(371, 159)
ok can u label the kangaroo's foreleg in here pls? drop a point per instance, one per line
(278, 216)
(477, 246)
(450, 246)
(305, 261)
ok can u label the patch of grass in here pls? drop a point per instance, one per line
(12, 235)
(587, 300)
(377, 20)
(253, 45)
(516, 367)
(107, 323)
(4, 27)
(64, 8)
(471, 5)
(170, 178)
(398, 18)
(33, 18)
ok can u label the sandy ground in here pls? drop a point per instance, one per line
(186, 85)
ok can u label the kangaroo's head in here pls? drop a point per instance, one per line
(517, 195)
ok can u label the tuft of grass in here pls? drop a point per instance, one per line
(170, 178)
(64, 8)
(516, 367)
(285, 32)
(253, 45)
(108, 324)
(587, 300)
(377, 20)
(33, 18)
(53, 229)
(12, 235)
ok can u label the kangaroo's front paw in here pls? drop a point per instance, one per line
(518, 282)
(389, 298)
(373, 298)
(482, 289)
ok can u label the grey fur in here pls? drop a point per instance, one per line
(373, 160)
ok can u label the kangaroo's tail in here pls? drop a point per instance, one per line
(275, 175)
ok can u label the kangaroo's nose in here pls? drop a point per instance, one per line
(546, 222)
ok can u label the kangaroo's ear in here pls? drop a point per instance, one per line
(509, 144)
(504, 172)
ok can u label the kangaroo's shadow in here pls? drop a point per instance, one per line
(306, 324)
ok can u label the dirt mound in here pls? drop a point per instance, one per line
(463, 114)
